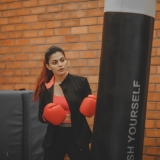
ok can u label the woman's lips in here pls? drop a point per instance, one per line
(61, 69)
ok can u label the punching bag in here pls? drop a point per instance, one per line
(118, 129)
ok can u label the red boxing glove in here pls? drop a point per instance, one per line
(88, 106)
(54, 113)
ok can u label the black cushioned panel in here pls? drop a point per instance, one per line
(21, 133)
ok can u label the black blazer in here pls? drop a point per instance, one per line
(75, 89)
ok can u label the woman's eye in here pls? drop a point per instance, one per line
(62, 60)
(54, 63)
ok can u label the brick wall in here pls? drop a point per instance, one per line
(29, 27)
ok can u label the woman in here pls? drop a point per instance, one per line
(56, 85)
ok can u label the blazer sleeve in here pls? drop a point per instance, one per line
(87, 89)
(41, 108)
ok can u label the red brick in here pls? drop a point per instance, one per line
(7, 58)
(88, 54)
(48, 2)
(61, 1)
(79, 14)
(19, 86)
(154, 79)
(4, 1)
(13, 50)
(88, 5)
(54, 39)
(3, 21)
(21, 57)
(74, 70)
(32, 18)
(14, 20)
(150, 124)
(29, 49)
(89, 71)
(153, 69)
(152, 115)
(79, 30)
(42, 48)
(30, 64)
(151, 105)
(88, 38)
(67, 39)
(157, 7)
(22, 27)
(94, 87)
(94, 45)
(54, 8)
(7, 73)
(158, 105)
(70, 23)
(95, 29)
(3, 65)
(45, 17)
(22, 72)
(72, 55)
(101, 3)
(38, 10)
(35, 72)
(28, 34)
(157, 87)
(154, 51)
(14, 64)
(96, 12)
(158, 69)
(65, 47)
(3, 36)
(93, 62)
(71, 7)
(152, 133)
(15, 5)
(29, 79)
(22, 42)
(3, 6)
(153, 151)
(151, 88)
(7, 42)
(3, 80)
(99, 37)
(38, 25)
(36, 56)
(9, 13)
(78, 46)
(37, 41)
(153, 96)
(14, 80)
(45, 33)
(7, 86)
(6, 28)
(78, 63)
(155, 61)
(62, 31)
(61, 15)
(30, 3)
(156, 43)
(3, 50)
(100, 20)
(15, 35)
(93, 79)
(78, 0)
(149, 141)
(23, 11)
(157, 124)
(54, 24)
(88, 21)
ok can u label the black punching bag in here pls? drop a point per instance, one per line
(118, 130)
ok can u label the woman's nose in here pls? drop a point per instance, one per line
(59, 63)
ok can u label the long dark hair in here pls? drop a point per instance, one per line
(45, 74)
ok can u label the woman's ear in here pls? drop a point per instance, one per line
(47, 65)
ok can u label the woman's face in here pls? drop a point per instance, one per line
(57, 63)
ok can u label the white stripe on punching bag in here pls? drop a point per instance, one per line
(146, 7)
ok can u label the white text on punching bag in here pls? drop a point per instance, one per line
(133, 119)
